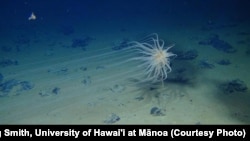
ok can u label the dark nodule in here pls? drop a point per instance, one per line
(112, 118)
(155, 111)
(56, 90)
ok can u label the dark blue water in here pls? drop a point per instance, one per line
(16, 11)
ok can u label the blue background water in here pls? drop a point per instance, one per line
(66, 11)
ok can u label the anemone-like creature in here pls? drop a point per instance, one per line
(154, 56)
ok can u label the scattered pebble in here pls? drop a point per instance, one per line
(205, 64)
(56, 90)
(8, 85)
(121, 44)
(155, 111)
(8, 62)
(26, 85)
(117, 88)
(19, 86)
(224, 62)
(58, 71)
(112, 118)
(44, 93)
(218, 44)
(139, 98)
(188, 55)
(242, 116)
(100, 67)
(86, 81)
(81, 42)
(49, 92)
(236, 85)
(83, 68)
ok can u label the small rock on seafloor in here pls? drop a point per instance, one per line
(112, 118)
